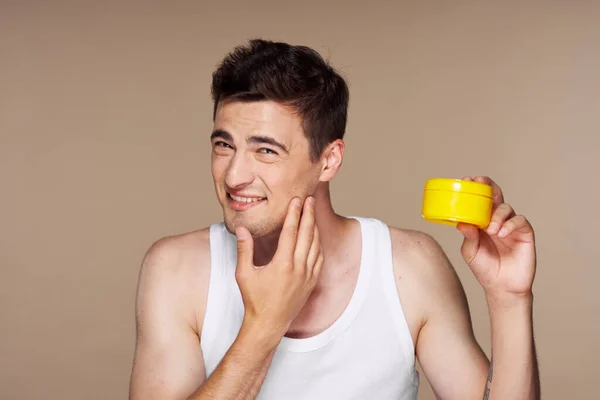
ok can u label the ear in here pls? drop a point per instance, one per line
(331, 160)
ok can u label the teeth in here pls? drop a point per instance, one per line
(246, 199)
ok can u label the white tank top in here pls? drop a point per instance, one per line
(367, 353)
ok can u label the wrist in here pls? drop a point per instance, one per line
(262, 335)
(503, 301)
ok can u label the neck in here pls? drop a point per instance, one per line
(331, 228)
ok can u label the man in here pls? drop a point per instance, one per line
(288, 300)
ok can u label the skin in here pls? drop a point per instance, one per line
(297, 281)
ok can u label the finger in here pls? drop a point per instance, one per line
(503, 213)
(517, 223)
(315, 249)
(498, 195)
(245, 247)
(289, 232)
(467, 178)
(470, 245)
(305, 233)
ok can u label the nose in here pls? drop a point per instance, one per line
(239, 172)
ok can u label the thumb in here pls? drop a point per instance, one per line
(470, 245)
(245, 247)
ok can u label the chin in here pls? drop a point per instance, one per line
(258, 229)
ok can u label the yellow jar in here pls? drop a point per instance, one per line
(449, 201)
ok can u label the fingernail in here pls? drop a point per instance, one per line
(297, 202)
(311, 200)
(502, 232)
(493, 227)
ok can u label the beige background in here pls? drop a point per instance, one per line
(104, 121)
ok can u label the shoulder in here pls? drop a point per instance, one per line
(177, 257)
(420, 248)
(171, 254)
(174, 275)
(423, 269)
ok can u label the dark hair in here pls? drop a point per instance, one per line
(296, 76)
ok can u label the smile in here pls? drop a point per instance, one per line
(241, 203)
(246, 199)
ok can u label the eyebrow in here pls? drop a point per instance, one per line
(267, 140)
(219, 133)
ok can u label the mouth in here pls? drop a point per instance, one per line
(242, 203)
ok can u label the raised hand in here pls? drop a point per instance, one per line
(502, 256)
(274, 294)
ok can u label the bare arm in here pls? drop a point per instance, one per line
(242, 371)
(168, 361)
(514, 371)
(451, 359)
(448, 352)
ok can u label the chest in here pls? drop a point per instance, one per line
(326, 303)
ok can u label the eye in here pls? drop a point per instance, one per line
(265, 150)
(222, 144)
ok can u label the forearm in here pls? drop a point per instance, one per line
(242, 371)
(513, 368)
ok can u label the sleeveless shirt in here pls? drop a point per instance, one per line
(367, 353)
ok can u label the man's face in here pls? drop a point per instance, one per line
(260, 161)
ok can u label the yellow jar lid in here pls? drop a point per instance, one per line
(459, 185)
